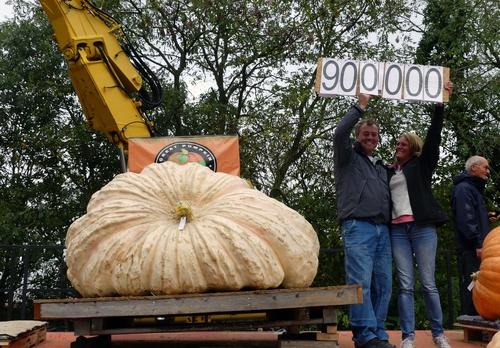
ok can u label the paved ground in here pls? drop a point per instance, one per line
(234, 339)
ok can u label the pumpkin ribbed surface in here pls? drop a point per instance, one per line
(486, 291)
(129, 242)
(495, 341)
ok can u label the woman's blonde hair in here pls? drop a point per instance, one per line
(415, 143)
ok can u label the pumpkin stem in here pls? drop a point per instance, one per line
(183, 209)
(474, 275)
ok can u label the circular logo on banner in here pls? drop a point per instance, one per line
(183, 152)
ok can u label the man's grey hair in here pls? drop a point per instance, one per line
(471, 161)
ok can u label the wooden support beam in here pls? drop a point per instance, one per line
(307, 344)
(473, 333)
(241, 301)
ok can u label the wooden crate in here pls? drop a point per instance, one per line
(22, 333)
(477, 333)
(286, 309)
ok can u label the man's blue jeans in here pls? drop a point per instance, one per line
(368, 262)
(408, 240)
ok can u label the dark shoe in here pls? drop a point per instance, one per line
(373, 343)
(376, 343)
(384, 344)
(370, 344)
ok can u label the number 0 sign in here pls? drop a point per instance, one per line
(388, 80)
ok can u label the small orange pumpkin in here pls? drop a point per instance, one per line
(486, 291)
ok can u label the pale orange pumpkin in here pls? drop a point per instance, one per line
(495, 341)
(131, 241)
(486, 291)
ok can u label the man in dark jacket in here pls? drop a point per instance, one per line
(363, 208)
(470, 218)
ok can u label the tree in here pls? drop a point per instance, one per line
(48, 163)
(469, 45)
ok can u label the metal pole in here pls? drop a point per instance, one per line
(26, 260)
(123, 160)
(14, 253)
(450, 289)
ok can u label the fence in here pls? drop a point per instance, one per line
(29, 272)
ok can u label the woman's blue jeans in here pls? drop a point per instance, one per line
(368, 262)
(410, 240)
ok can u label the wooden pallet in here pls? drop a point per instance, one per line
(315, 339)
(22, 333)
(289, 309)
(477, 333)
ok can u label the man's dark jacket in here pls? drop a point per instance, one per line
(470, 215)
(418, 173)
(361, 185)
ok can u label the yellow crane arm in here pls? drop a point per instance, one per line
(105, 80)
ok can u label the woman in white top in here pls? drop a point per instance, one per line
(415, 217)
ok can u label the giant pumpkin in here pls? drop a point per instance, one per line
(131, 241)
(486, 291)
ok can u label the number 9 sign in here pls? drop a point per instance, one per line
(339, 77)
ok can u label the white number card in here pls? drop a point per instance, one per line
(386, 79)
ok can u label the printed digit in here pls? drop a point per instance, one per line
(411, 82)
(343, 75)
(363, 76)
(437, 86)
(328, 76)
(387, 75)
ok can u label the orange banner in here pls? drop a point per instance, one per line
(219, 153)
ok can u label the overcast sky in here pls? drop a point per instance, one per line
(5, 10)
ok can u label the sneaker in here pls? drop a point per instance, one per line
(408, 342)
(441, 341)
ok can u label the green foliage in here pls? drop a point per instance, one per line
(50, 164)
(468, 44)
